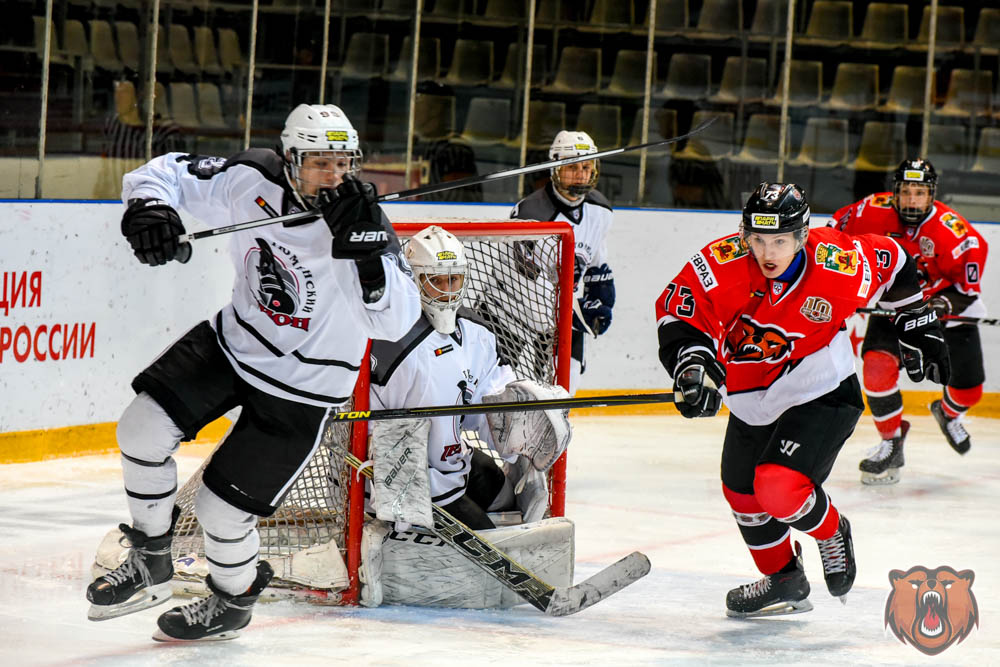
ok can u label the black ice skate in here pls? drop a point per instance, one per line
(884, 462)
(783, 592)
(141, 582)
(839, 566)
(953, 428)
(219, 616)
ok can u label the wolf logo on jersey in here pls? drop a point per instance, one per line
(750, 341)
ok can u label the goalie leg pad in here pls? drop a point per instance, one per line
(400, 486)
(541, 435)
(370, 572)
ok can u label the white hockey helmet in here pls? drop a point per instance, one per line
(318, 129)
(437, 259)
(572, 143)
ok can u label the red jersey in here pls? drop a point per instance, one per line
(948, 251)
(782, 343)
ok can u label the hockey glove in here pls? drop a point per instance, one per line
(353, 215)
(697, 378)
(921, 345)
(152, 228)
(598, 298)
(595, 314)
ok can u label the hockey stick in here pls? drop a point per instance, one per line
(883, 312)
(509, 406)
(548, 599)
(448, 185)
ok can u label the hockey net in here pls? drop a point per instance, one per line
(520, 284)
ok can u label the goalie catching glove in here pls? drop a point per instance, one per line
(921, 345)
(539, 435)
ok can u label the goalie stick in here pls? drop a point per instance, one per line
(448, 185)
(550, 600)
(508, 406)
(883, 312)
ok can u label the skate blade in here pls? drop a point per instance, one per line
(890, 476)
(779, 609)
(144, 599)
(161, 636)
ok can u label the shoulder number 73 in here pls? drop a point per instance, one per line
(686, 306)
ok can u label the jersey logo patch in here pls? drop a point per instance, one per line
(833, 258)
(203, 167)
(750, 341)
(727, 249)
(883, 200)
(260, 201)
(972, 273)
(777, 287)
(816, 309)
(957, 226)
(926, 247)
(444, 350)
(704, 272)
(967, 244)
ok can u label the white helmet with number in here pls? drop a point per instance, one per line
(570, 143)
(318, 129)
(439, 268)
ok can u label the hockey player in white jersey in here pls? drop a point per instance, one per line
(287, 348)
(449, 357)
(570, 196)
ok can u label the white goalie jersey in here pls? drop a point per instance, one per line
(426, 367)
(297, 326)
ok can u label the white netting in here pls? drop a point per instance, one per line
(514, 287)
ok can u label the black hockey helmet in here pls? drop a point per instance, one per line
(776, 208)
(921, 172)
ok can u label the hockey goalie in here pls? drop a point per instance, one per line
(486, 470)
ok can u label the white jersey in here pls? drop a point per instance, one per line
(427, 367)
(591, 219)
(297, 326)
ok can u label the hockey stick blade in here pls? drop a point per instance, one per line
(540, 595)
(449, 185)
(607, 582)
(884, 312)
(608, 401)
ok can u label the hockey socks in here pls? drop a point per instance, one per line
(881, 380)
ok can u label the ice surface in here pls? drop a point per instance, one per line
(646, 483)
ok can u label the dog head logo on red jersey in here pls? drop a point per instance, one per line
(931, 609)
(727, 249)
(750, 341)
(957, 226)
(833, 258)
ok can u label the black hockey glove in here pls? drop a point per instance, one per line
(921, 345)
(353, 215)
(598, 298)
(152, 228)
(697, 378)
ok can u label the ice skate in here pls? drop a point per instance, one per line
(883, 463)
(783, 592)
(953, 428)
(217, 617)
(839, 566)
(140, 582)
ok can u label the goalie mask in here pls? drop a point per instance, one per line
(776, 208)
(917, 172)
(577, 179)
(439, 267)
(320, 146)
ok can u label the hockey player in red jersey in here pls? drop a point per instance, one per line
(950, 257)
(756, 319)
